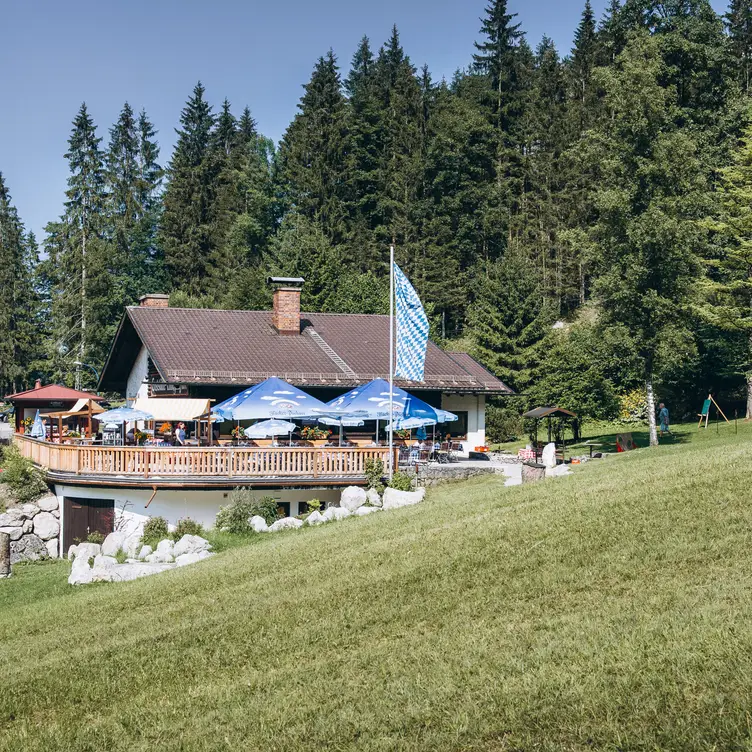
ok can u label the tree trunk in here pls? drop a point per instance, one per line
(651, 411)
(5, 570)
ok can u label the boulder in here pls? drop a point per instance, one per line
(548, 455)
(81, 572)
(286, 523)
(53, 547)
(87, 550)
(336, 513)
(28, 526)
(315, 518)
(72, 552)
(144, 552)
(48, 503)
(258, 523)
(362, 511)
(14, 532)
(46, 526)
(30, 510)
(372, 495)
(159, 557)
(27, 548)
(14, 517)
(102, 561)
(55, 513)
(190, 544)
(393, 499)
(165, 546)
(112, 544)
(352, 498)
(192, 558)
(131, 546)
(126, 572)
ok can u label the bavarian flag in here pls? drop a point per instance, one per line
(412, 329)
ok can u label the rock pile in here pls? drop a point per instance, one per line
(354, 502)
(34, 529)
(95, 563)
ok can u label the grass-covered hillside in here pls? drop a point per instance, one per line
(609, 610)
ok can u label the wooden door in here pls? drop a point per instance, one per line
(85, 516)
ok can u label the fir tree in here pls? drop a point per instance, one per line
(187, 232)
(739, 24)
(728, 285)
(81, 309)
(648, 204)
(583, 61)
(509, 320)
(314, 152)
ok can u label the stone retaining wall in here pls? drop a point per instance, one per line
(34, 529)
(435, 474)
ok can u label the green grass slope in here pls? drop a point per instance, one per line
(609, 610)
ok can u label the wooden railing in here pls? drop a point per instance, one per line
(209, 462)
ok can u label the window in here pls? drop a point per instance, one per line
(457, 428)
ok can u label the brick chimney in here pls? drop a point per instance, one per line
(154, 301)
(286, 310)
(38, 384)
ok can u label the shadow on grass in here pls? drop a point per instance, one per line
(606, 442)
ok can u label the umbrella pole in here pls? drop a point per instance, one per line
(391, 361)
(340, 431)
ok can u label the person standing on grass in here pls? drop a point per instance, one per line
(663, 419)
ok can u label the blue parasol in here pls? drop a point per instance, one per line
(272, 398)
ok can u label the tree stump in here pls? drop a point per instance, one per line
(5, 555)
(532, 472)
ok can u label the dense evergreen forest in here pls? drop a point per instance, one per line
(581, 223)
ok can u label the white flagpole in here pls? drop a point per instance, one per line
(391, 361)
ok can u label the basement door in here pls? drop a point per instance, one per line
(84, 516)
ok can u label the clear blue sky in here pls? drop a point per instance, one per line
(56, 54)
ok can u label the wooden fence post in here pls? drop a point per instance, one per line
(5, 570)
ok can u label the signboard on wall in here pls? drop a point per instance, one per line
(168, 390)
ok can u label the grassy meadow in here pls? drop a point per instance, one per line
(608, 610)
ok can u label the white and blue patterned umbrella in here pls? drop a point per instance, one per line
(272, 398)
(37, 428)
(371, 402)
(269, 428)
(123, 415)
(412, 329)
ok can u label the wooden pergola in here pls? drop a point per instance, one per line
(83, 408)
(539, 413)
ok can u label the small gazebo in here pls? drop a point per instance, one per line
(539, 413)
(46, 399)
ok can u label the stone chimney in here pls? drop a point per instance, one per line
(154, 301)
(286, 310)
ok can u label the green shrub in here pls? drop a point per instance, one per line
(504, 424)
(155, 530)
(235, 516)
(187, 526)
(267, 508)
(95, 537)
(314, 505)
(374, 474)
(401, 482)
(26, 483)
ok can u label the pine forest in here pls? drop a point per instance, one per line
(579, 220)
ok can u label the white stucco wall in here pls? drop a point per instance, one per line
(136, 386)
(201, 506)
(475, 406)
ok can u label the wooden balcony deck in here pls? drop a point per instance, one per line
(182, 467)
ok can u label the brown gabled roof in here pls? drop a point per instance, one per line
(53, 393)
(190, 345)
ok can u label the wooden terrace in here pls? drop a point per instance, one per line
(200, 467)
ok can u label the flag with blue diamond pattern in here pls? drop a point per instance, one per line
(412, 330)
